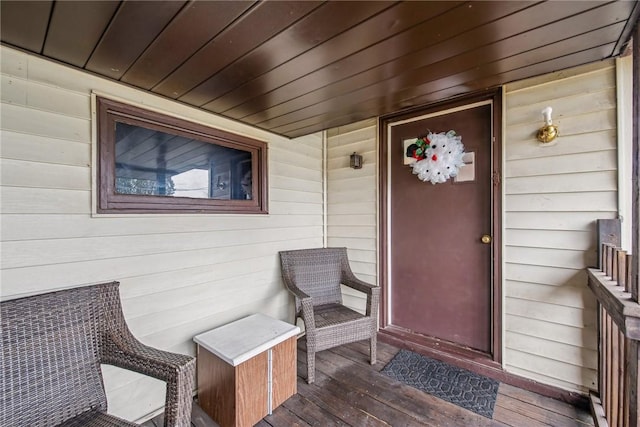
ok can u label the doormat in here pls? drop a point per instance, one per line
(466, 389)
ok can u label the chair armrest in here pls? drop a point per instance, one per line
(373, 292)
(177, 370)
(306, 305)
(354, 283)
(297, 292)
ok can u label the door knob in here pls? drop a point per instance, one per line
(486, 239)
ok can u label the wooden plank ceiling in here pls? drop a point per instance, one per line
(297, 67)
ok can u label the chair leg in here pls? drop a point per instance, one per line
(311, 365)
(374, 348)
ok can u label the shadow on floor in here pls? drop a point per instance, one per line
(198, 419)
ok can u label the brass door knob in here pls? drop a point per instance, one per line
(486, 239)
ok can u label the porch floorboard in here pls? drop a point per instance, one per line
(348, 391)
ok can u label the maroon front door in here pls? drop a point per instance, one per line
(440, 281)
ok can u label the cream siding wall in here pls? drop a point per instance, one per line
(352, 201)
(180, 274)
(553, 195)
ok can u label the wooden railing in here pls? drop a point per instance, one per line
(616, 402)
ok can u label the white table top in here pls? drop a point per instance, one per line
(239, 341)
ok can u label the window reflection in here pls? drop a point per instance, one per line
(155, 163)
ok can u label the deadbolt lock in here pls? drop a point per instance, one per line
(486, 239)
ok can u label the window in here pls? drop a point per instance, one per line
(152, 163)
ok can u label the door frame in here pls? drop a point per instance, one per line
(399, 336)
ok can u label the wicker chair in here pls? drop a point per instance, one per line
(314, 276)
(52, 348)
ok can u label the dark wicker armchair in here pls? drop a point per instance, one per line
(52, 348)
(314, 277)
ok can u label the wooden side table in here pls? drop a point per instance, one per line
(246, 369)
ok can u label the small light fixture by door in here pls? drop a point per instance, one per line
(355, 161)
(548, 132)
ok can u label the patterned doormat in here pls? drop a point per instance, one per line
(456, 385)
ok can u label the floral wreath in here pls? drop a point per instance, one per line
(438, 156)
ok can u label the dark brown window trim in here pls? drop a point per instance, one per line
(110, 112)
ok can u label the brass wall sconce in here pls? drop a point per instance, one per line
(355, 161)
(549, 131)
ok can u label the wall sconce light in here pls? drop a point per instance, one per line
(549, 131)
(220, 184)
(355, 161)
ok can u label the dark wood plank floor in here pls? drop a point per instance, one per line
(350, 392)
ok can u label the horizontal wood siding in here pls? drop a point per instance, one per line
(553, 195)
(351, 201)
(180, 274)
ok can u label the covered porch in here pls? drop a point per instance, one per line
(300, 87)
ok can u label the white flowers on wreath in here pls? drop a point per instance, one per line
(438, 156)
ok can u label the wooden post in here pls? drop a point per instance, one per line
(622, 270)
(609, 232)
(635, 192)
(608, 375)
(632, 350)
(602, 363)
(628, 280)
(631, 372)
(622, 390)
(615, 374)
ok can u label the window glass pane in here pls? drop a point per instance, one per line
(155, 163)
(467, 172)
